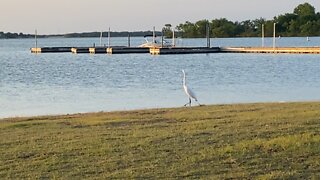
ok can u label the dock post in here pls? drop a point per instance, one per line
(162, 37)
(208, 35)
(109, 38)
(274, 36)
(36, 40)
(154, 35)
(101, 38)
(262, 35)
(173, 38)
(129, 43)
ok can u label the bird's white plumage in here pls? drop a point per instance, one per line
(188, 90)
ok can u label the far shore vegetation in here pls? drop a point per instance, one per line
(303, 21)
(236, 141)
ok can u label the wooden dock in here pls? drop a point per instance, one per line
(292, 50)
(176, 50)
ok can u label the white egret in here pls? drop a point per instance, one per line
(188, 91)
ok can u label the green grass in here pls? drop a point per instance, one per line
(263, 141)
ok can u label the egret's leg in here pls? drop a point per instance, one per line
(198, 102)
(188, 103)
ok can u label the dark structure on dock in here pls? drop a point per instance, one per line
(51, 50)
(184, 50)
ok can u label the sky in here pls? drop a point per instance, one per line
(66, 16)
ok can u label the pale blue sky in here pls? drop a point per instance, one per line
(63, 16)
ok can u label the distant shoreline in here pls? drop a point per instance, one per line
(10, 35)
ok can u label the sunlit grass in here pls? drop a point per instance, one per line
(266, 141)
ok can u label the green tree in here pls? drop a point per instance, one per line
(187, 30)
(258, 25)
(223, 28)
(294, 28)
(283, 23)
(201, 28)
(167, 30)
(304, 10)
(306, 22)
(249, 28)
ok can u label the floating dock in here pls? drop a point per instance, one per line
(176, 50)
(128, 50)
(80, 50)
(119, 50)
(51, 50)
(184, 50)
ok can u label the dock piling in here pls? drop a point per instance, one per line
(36, 40)
(109, 34)
(129, 42)
(101, 38)
(208, 35)
(154, 35)
(262, 35)
(274, 36)
(162, 34)
(173, 38)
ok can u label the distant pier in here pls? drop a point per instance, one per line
(176, 50)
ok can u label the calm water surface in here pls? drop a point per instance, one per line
(40, 84)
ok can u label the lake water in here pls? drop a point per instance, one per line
(40, 84)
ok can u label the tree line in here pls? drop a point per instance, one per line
(304, 21)
(10, 35)
(77, 35)
(112, 34)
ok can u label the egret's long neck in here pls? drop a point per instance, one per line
(184, 78)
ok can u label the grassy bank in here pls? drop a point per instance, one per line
(224, 141)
